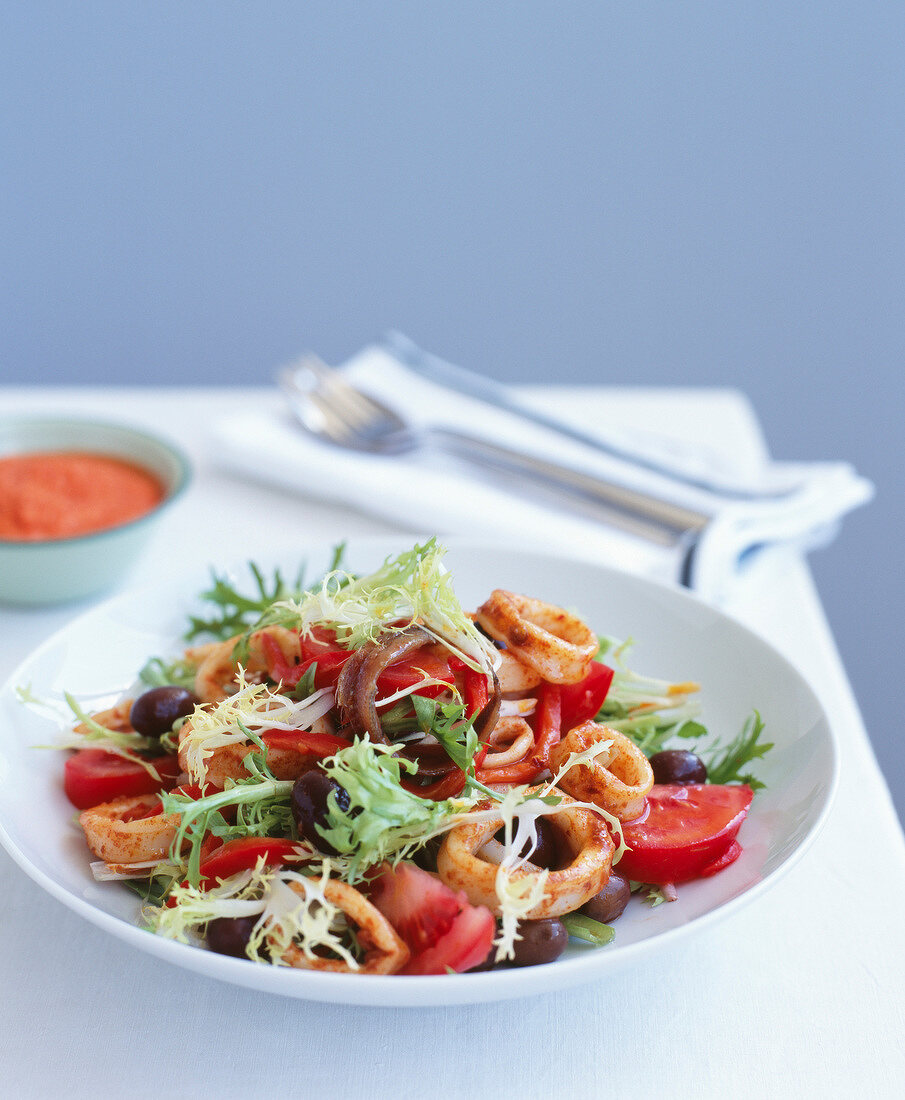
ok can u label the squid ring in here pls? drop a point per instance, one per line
(117, 832)
(227, 761)
(521, 738)
(584, 833)
(514, 676)
(555, 643)
(116, 718)
(617, 781)
(385, 952)
(215, 676)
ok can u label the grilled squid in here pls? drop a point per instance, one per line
(216, 667)
(116, 719)
(227, 762)
(121, 832)
(617, 781)
(583, 833)
(553, 642)
(384, 951)
(509, 742)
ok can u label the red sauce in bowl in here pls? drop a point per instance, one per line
(60, 494)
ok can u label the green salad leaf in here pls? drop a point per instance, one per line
(726, 763)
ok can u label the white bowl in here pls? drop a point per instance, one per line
(678, 637)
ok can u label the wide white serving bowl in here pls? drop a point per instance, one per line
(678, 637)
(52, 571)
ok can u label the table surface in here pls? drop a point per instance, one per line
(798, 994)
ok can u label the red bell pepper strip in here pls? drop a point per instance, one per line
(522, 772)
(477, 694)
(278, 668)
(329, 661)
(243, 853)
(548, 729)
(447, 787)
(316, 744)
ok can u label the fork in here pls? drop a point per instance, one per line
(329, 407)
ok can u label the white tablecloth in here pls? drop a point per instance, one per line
(802, 993)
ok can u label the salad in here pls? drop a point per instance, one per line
(359, 776)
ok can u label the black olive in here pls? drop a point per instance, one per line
(154, 712)
(425, 857)
(546, 853)
(230, 935)
(610, 902)
(678, 766)
(309, 806)
(543, 941)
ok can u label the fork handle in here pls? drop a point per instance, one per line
(651, 517)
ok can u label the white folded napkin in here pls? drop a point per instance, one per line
(433, 493)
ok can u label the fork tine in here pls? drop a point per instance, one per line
(346, 401)
(331, 407)
(313, 383)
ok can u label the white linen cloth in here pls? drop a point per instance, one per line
(799, 994)
(429, 491)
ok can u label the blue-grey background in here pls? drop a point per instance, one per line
(644, 193)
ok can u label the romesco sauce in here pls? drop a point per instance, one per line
(60, 494)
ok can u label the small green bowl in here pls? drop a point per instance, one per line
(54, 571)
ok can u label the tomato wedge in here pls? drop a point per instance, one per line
(686, 831)
(92, 776)
(440, 927)
(583, 700)
(243, 853)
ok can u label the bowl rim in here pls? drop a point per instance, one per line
(182, 481)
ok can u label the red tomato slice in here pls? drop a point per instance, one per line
(583, 700)
(92, 776)
(685, 829)
(439, 926)
(466, 944)
(729, 856)
(244, 852)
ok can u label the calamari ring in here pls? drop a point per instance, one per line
(618, 781)
(512, 731)
(117, 834)
(227, 761)
(514, 676)
(584, 833)
(385, 952)
(115, 718)
(555, 643)
(215, 675)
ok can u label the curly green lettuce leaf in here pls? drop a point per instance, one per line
(383, 820)
(413, 587)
